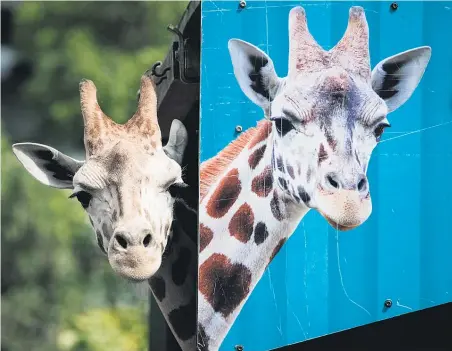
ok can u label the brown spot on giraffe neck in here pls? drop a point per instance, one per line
(256, 157)
(225, 195)
(304, 196)
(211, 169)
(275, 206)
(283, 183)
(260, 233)
(241, 224)
(263, 132)
(279, 164)
(224, 284)
(262, 184)
(205, 236)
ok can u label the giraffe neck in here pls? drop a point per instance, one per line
(174, 284)
(244, 221)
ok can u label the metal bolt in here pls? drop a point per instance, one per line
(394, 6)
(388, 303)
(238, 348)
(242, 4)
(238, 129)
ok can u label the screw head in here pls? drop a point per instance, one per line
(394, 6)
(388, 303)
(238, 129)
(238, 348)
(242, 4)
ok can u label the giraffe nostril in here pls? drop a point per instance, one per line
(147, 240)
(121, 241)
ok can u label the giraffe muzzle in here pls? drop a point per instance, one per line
(136, 257)
(138, 264)
(344, 209)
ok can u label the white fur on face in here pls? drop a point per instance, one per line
(129, 198)
(329, 132)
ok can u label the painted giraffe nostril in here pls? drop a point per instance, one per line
(362, 184)
(121, 241)
(147, 240)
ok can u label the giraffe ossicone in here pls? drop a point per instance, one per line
(311, 151)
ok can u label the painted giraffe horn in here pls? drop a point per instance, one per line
(145, 119)
(352, 51)
(93, 117)
(304, 52)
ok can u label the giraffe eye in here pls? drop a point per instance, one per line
(378, 132)
(83, 197)
(283, 125)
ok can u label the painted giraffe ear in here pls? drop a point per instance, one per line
(47, 165)
(177, 142)
(395, 78)
(254, 71)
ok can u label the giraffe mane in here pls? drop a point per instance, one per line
(214, 167)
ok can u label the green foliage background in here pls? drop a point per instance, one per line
(58, 291)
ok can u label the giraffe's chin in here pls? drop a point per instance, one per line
(136, 265)
(338, 226)
(343, 209)
(136, 275)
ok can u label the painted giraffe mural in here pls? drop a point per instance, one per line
(132, 189)
(311, 151)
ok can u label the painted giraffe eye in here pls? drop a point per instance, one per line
(83, 197)
(378, 132)
(283, 125)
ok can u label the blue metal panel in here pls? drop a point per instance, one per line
(323, 282)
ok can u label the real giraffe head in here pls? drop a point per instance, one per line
(328, 113)
(126, 182)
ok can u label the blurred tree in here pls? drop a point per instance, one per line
(121, 331)
(58, 291)
(111, 43)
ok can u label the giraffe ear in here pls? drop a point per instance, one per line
(395, 78)
(47, 165)
(177, 141)
(254, 72)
